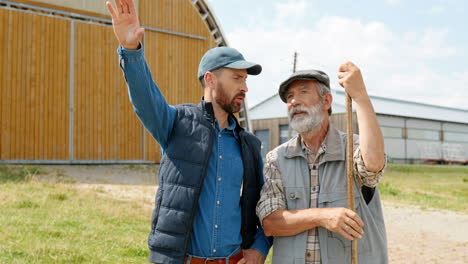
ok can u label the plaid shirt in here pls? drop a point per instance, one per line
(272, 196)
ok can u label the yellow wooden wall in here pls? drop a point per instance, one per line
(34, 89)
(106, 127)
(174, 15)
(35, 83)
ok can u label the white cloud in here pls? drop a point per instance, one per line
(291, 9)
(393, 2)
(433, 44)
(393, 64)
(435, 10)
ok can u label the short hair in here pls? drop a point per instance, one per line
(216, 72)
(323, 89)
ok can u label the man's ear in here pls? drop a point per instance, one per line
(209, 79)
(327, 101)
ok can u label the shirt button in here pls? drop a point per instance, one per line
(214, 250)
(216, 226)
(219, 179)
(308, 254)
(220, 156)
(292, 195)
(219, 135)
(218, 202)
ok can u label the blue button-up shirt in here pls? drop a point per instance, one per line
(217, 223)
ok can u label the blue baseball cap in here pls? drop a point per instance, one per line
(225, 57)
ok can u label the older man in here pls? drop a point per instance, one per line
(303, 201)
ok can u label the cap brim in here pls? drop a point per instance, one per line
(252, 68)
(284, 86)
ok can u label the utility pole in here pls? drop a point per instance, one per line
(294, 70)
(295, 61)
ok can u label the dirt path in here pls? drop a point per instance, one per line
(426, 236)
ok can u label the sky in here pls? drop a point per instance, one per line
(412, 50)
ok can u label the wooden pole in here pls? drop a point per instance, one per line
(349, 167)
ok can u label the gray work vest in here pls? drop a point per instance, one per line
(334, 249)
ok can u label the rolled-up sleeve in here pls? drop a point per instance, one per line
(364, 176)
(272, 195)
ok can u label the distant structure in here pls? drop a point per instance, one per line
(413, 132)
(63, 97)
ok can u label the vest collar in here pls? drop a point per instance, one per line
(333, 143)
(208, 113)
(207, 109)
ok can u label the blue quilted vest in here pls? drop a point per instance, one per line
(181, 174)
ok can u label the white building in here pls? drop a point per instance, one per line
(413, 132)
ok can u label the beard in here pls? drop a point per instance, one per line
(230, 106)
(306, 123)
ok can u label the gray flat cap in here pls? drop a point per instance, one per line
(317, 75)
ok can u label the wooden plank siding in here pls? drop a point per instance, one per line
(105, 125)
(36, 80)
(34, 90)
(174, 15)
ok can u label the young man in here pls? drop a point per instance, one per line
(303, 200)
(211, 171)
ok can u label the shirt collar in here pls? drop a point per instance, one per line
(231, 127)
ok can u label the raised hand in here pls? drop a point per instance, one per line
(126, 24)
(350, 78)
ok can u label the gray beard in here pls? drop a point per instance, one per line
(309, 123)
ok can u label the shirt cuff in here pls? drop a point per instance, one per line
(130, 52)
(262, 243)
(366, 177)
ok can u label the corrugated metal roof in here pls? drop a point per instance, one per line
(273, 107)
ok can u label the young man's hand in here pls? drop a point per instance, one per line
(126, 24)
(252, 256)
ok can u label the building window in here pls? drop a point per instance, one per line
(425, 134)
(454, 136)
(264, 136)
(392, 132)
(284, 134)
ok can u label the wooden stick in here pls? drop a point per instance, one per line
(349, 168)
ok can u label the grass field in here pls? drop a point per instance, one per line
(58, 223)
(61, 223)
(442, 187)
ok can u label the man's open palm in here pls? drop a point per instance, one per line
(126, 24)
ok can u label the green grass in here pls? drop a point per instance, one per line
(443, 187)
(18, 174)
(57, 223)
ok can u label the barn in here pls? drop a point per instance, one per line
(413, 132)
(63, 98)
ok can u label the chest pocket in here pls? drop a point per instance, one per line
(338, 246)
(296, 198)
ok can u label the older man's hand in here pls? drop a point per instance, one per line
(342, 221)
(350, 78)
(252, 256)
